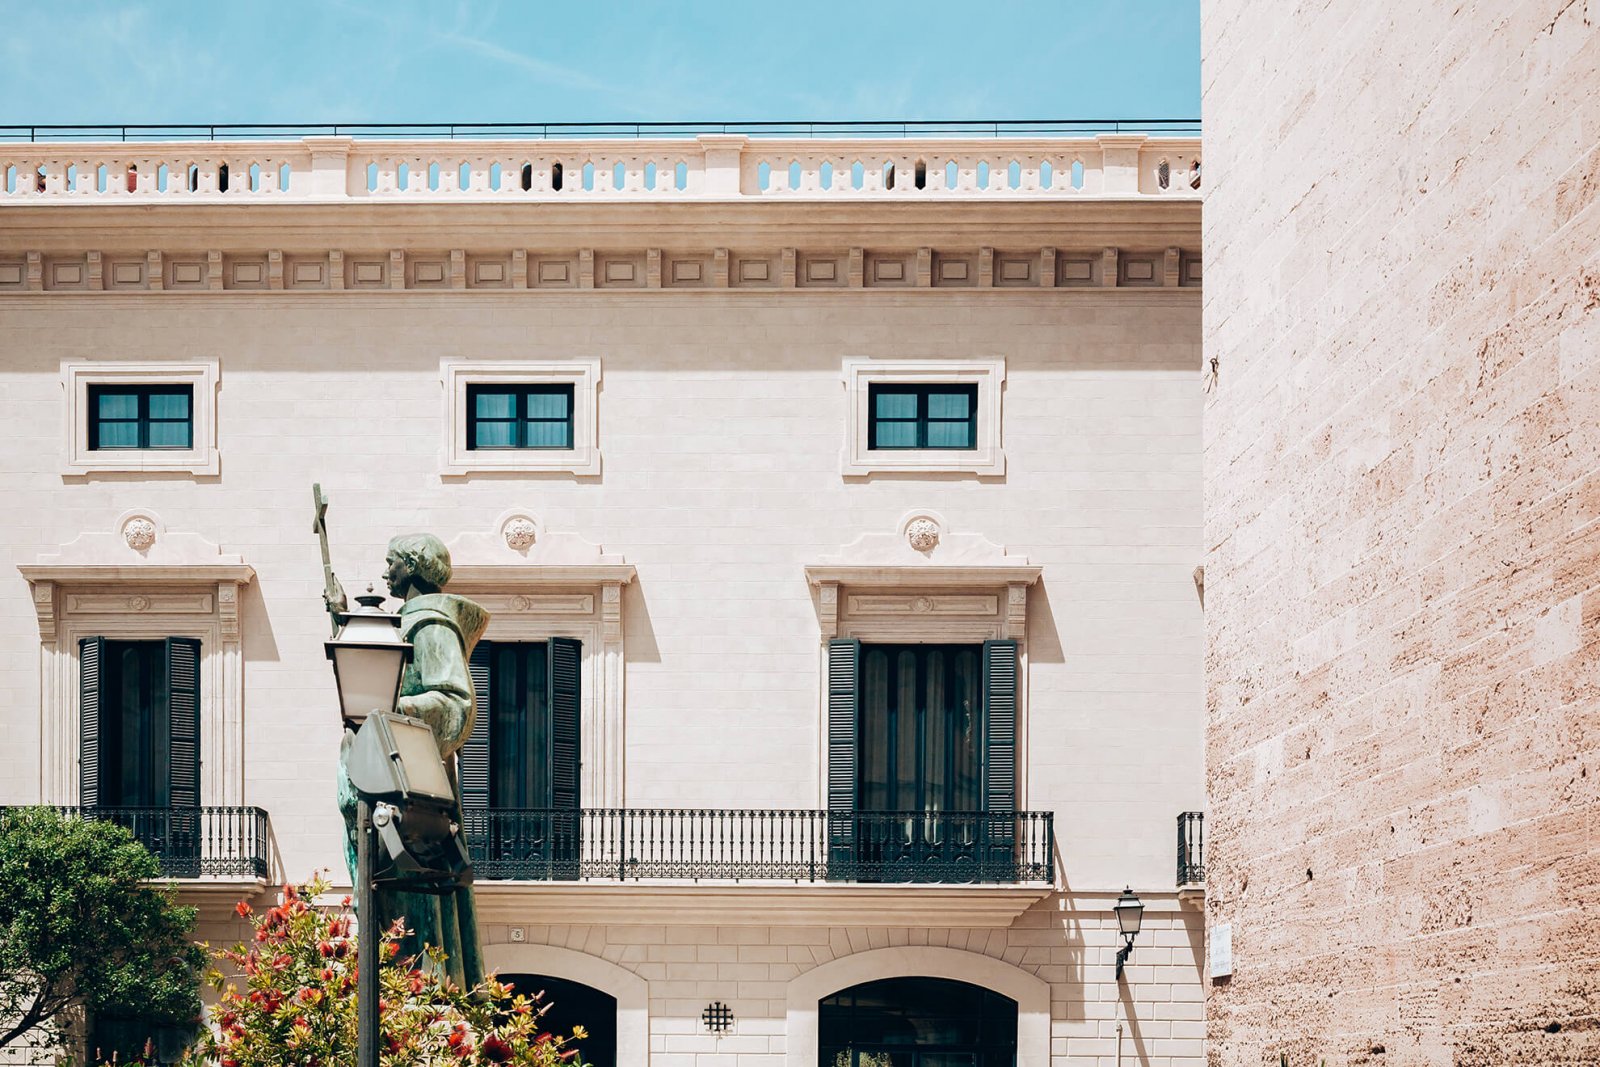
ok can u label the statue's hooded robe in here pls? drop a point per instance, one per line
(437, 689)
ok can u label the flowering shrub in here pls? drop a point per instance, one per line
(298, 1005)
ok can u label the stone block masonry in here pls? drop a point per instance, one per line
(1402, 314)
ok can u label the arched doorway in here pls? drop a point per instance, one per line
(916, 1022)
(575, 1004)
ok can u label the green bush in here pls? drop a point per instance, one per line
(82, 928)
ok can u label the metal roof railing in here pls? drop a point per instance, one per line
(235, 131)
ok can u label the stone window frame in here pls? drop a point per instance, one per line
(107, 585)
(202, 376)
(924, 584)
(537, 585)
(583, 458)
(861, 373)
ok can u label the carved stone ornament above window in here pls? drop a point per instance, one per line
(538, 584)
(136, 580)
(923, 582)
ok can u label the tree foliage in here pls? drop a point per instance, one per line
(298, 1002)
(81, 925)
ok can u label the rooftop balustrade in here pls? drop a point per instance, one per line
(707, 167)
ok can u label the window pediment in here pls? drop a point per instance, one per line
(923, 581)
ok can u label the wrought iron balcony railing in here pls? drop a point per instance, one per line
(1192, 848)
(196, 842)
(543, 844)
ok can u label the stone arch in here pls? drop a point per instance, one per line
(631, 991)
(1032, 994)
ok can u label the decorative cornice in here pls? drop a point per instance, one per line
(241, 266)
(832, 904)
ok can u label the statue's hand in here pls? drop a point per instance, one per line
(333, 596)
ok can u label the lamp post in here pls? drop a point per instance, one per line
(369, 659)
(1130, 915)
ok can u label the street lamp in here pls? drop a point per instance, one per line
(407, 835)
(1130, 914)
(369, 659)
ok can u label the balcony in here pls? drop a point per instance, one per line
(600, 865)
(226, 845)
(1191, 853)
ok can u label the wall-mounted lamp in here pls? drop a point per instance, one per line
(1130, 914)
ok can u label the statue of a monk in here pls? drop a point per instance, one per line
(437, 689)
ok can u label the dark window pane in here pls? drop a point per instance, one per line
(949, 435)
(896, 405)
(119, 435)
(495, 435)
(496, 406)
(169, 435)
(547, 435)
(118, 406)
(169, 406)
(548, 405)
(897, 435)
(949, 405)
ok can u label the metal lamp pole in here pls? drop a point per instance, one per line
(368, 942)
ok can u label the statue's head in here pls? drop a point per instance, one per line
(417, 561)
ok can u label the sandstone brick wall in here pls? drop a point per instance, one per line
(1403, 308)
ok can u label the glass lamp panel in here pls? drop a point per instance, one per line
(1130, 914)
(897, 435)
(169, 405)
(369, 679)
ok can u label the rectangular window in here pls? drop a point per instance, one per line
(922, 416)
(523, 416)
(920, 728)
(519, 769)
(139, 726)
(141, 417)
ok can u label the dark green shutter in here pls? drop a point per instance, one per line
(91, 654)
(473, 764)
(181, 857)
(844, 673)
(566, 656)
(183, 706)
(1000, 726)
(1000, 757)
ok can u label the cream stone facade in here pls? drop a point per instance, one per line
(1401, 601)
(720, 309)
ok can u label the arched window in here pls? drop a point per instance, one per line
(916, 1022)
(575, 1004)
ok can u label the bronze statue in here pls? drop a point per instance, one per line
(436, 689)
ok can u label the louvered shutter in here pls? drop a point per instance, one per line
(473, 759)
(183, 707)
(182, 677)
(844, 673)
(1000, 755)
(566, 829)
(91, 656)
(566, 655)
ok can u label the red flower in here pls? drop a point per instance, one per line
(290, 893)
(345, 903)
(326, 948)
(242, 908)
(496, 1049)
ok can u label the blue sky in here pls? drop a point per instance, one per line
(170, 61)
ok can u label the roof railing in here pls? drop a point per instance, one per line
(237, 131)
